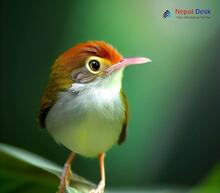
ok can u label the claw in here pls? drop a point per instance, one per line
(100, 188)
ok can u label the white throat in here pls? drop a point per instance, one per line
(106, 87)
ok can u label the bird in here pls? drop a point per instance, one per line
(83, 106)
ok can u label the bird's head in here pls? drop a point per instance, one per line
(88, 63)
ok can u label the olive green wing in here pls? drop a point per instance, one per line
(123, 134)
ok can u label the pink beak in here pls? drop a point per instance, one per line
(126, 62)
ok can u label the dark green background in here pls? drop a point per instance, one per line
(174, 126)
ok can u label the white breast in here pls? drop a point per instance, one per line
(89, 122)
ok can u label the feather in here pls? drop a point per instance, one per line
(123, 134)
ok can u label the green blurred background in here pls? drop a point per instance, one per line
(174, 126)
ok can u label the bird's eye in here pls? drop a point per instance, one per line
(94, 66)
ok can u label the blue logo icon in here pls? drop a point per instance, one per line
(166, 14)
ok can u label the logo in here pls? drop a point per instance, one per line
(187, 13)
(166, 14)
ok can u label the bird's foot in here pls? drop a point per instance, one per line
(66, 176)
(100, 188)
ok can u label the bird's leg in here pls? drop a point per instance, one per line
(101, 186)
(66, 175)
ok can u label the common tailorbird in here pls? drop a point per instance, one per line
(84, 107)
